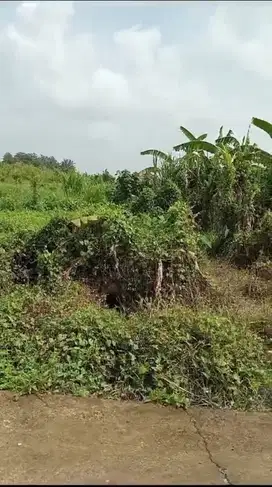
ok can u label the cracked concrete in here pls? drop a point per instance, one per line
(222, 470)
(64, 439)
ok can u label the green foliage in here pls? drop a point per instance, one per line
(143, 233)
(38, 161)
(67, 165)
(118, 248)
(263, 125)
(41, 188)
(5, 272)
(145, 201)
(168, 193)
(121, 249)
(73, 183)
(228, 186)
(15, 223)
(174, 357)
(247, 247)
(196, 144)
(128, 185)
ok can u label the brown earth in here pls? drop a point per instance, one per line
(64, 439)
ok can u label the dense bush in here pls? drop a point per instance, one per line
(246, 247)
(174, 357)
(144, 256)
(227, 185)
(5, 272)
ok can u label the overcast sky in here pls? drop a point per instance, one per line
(98, 82)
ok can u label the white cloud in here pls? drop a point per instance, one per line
(61, 94)
(245, 38)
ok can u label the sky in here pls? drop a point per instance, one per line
(98, 82)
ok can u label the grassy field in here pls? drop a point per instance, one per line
(186, 245)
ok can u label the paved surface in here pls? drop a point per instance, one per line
(63, 439)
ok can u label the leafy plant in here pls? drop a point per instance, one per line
(174, 357)
(263, 125)
(123, 249)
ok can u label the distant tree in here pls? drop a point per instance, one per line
(49, 161)
(34, 159)
(107, 177)
(8, 158)
(67, 165)
(26, 158)
(37, 160)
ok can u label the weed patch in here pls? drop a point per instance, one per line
(176, 357)
(144, 257)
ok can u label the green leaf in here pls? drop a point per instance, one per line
(157, 153)
(228, 140)
(143, 369)
(201, 145)
(187, 133)
(263, 125)
(204, 239)
(202, 137)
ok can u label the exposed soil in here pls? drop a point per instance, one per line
(64, 439)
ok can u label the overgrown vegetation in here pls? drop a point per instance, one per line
(161, 243)
(45, 188)
(144, 257)
(175, 357)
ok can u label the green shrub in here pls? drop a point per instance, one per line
(175, 357)
(128, 185)
(246, 247)
(7, 203)
(125, 250)
(5, 271)
(144, 202)
(98, 193)
(168, 194)
(73, 183)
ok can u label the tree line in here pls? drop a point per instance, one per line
(38, 160)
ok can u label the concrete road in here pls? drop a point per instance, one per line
(63, 439)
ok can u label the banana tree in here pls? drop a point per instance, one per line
(190, 136)
(158, 156)
(227, 145)
(227, 140)
(249, 151)
(197, 145)
(187, 146)
(214, 170)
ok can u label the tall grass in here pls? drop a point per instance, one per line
(26, 187)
